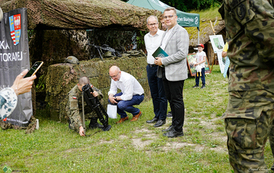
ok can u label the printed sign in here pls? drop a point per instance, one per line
(15, 28)
(14, 58)
(217, 43)
(191, 60)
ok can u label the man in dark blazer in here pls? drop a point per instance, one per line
(173, 69)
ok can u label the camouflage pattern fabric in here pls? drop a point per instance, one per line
(246, 142)
(8, 102)
(249, 115)
(74, 108)
(81, 14)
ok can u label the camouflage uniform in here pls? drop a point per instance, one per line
(8, 102)
(74, 108)
(249, 115)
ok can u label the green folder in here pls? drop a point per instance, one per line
(159, 52)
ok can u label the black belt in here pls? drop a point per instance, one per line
(151, 65)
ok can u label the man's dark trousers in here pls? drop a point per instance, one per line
(157, 92)
(174, 94)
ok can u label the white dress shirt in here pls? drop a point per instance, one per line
(165, 39)
(128, 85)
(152, 42)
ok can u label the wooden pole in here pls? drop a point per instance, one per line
(214, 53)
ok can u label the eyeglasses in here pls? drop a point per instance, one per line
(114, 76)
(152, 24)
(170, 16)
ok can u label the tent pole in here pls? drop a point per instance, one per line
(198, 37)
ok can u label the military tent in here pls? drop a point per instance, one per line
(184, 19)
(80, 14)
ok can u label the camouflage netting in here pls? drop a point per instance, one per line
(29, 129)
(80, 14)
(62, 77)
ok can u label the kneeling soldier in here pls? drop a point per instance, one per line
(74, 107)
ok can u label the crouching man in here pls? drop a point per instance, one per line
(74, 107)
(132, 93)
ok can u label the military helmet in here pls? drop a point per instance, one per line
(72, 60)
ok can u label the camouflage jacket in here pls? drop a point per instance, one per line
(8, 102)
(249, 33)
(74, 107)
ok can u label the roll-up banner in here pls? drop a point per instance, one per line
(14, 58)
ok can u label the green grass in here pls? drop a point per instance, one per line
(130, 146)
(209, 14)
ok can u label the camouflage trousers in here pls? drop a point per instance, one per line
(75, 120)
(246, 142)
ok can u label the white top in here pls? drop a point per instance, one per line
(152, 42)
(200, 57)
(128, 85)
(8, 102)
(165, 39)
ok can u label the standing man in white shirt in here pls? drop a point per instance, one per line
(152, 41)
(132, 93)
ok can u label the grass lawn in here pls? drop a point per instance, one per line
(130, 146)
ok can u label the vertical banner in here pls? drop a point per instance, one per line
(14, 58)
(217, 43)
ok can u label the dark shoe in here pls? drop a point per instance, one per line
(195, 86)
(136, 117)
(173, 134)
(160, 123)
(168, 129)
(70, 125)
(122, 120)
(154, 120)
(169, 114)
(96, 125)
(203, 87)
(272, 167)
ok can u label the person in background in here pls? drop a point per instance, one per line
(164, 28)
(200, 66)
(132, 93)
(152, 42)
(8, 96)
(163, 25)
(250, 110)
(173, 70)
(224, 54)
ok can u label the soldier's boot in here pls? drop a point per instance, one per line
(70, 125)
(94, 124)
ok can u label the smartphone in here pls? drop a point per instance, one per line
(35, 67)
